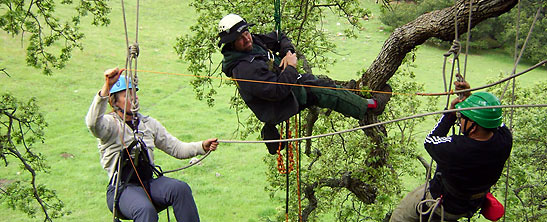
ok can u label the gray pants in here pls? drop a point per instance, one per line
(164, 191)
(406, 210)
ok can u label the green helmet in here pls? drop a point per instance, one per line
(487, 118)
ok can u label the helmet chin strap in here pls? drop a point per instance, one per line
(129, 113)
(468, 130)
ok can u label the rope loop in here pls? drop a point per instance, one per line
(435, 203)
(134, 50)
(454, 49)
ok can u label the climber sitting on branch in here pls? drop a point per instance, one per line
(271, 58)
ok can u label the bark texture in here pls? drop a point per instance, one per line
(437, 24)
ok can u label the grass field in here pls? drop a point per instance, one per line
(229, 186)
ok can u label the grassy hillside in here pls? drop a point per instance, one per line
(229, 186)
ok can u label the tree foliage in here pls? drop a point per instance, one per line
(49, 44)
(22, 126)
(340, 175)
(345, 174)
(527, 186)
(50, 40)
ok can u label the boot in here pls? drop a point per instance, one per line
(270, 132)
(381, 100)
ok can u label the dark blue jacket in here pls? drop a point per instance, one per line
(271, 103)
(466, 168)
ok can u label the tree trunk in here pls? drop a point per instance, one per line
(439, 24)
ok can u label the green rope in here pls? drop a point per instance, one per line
(277, 17)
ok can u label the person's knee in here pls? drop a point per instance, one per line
(180, 188)
(145, 212)
(185, 188)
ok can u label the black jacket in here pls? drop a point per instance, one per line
(271, 103)
(465, 167)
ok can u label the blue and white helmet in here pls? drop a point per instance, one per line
(120, 85)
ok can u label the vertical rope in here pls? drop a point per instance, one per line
(468, 36)
(288, 131)
(515, 57)
(277, 17)
(132, 54)
(454, 50)
(122, 135)
(298, 160)
(280, 165)
(522, 49)
(288, 167)
(135, 54)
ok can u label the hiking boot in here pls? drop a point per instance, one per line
(381, 100)
(270, 132)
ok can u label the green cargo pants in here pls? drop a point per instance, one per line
(341, 101)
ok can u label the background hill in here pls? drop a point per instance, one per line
(229, 185)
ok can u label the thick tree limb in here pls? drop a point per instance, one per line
(438, 24)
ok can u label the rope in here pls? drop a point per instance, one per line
(436, 203)
(522, 49)
(467, 40)
(382, 123)
(290, 162)
(289, 169)
(454, 50)
(189, 165)
(356, 90)
(132, 54)
(487, 85)
(298, 160)
(516, 58)
(281, 168)
(277, 18)
(350, 130)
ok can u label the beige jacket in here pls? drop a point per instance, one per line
(108, 127)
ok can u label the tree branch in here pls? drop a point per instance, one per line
(311, 118)
(438, 24)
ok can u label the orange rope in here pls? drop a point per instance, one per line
(282, 83)
(280, 165)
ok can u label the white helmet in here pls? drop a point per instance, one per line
(230, 27)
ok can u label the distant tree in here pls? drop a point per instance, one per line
(344, 174)
(536, 49)
(49, 42)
